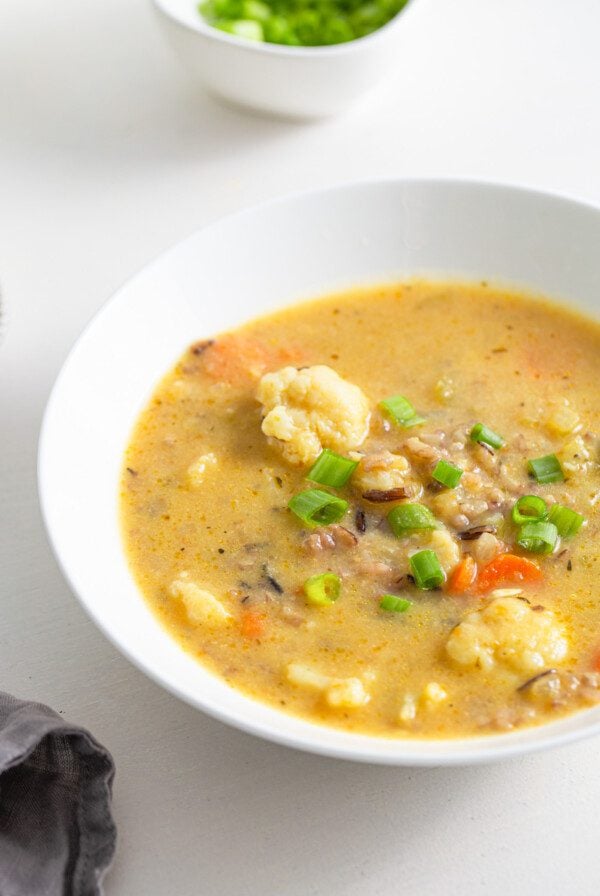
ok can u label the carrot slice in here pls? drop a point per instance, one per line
(462, 576)
(596, 661)
(507, 569)
(252, 624)
(538, 364)
(236, 359)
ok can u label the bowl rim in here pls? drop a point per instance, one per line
(490, 748)
(283, 50)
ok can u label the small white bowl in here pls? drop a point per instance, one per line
(296, 82)
(247, 265)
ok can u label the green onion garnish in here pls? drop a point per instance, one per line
(246, 28)
(394, 604)
(332, 469)
(546, 469)
(256, 10)
(400, 411)
(447, 474)
(317, 508)
(303, 22)
(426, 570)
(567, 521)
(406, 518)
(528, 509)
(539, 537)
(485, 435)
(322, 590)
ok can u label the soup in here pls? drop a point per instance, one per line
(378, 510)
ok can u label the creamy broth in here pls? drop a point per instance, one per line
(222, 561)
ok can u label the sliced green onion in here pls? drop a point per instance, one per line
(539, 537)
(322, 590)
(426, 570)
(546, 469)
(447, 474)
(278, 31)
(245, 28)
(332, 469)
(307, 22)
(485, 435)
(407, 518)
(255, 9)
(317, 508)
(528, 509)
(395, 604)
(567, 521)
(400, 411)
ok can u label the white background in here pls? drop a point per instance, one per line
(107, 156)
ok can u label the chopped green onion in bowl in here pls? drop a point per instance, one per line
(546, 469)
(427, 570)
(400, 411)
(567, 521)
(246, 28)
(539, 537)
(486, 436)
(407, 518)
(332, 469)
(447, 474)
(323, 589)
(394, 604)
(529, 509)
(307, 23)
(317, 508)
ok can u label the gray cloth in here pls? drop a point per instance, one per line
(57, 836)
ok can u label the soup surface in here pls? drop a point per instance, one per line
(378, 510)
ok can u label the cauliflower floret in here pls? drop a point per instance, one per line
(201, 606)
(433, 694)
(446, 548)
(197, 470)
(339, 693)
(346, 693)
(310, 409)
(574, 456)
(444, 389)
(486, 548)
(305, 677)
(382, 472)
(408, 710)
(507, 632)
(446, 505)
(563, 419)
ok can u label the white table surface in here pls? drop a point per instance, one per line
(107, 156)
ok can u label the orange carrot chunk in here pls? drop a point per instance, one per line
(237, 359)
(252, 624)
(462, 576)
(507, 569)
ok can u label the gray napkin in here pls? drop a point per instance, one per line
(57, 836)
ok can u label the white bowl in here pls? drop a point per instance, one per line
(305, 82)
(240, 267)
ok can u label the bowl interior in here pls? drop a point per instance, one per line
(241, 267)
(186, 13)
